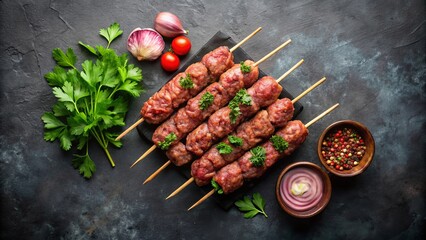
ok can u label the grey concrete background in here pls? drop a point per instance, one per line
(373, 53)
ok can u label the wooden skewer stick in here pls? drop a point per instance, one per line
(245, 39)
(308, 90)
(152, 148)
(189, 181)
(202, 199)
(319, 82)
(157, 172)
(134, 125)
(321, 115)
(152, 176)
(205, 197)
(272, 53)
(290, 70)
(255, 64)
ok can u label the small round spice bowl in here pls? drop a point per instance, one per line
(346, 148)
(303, 189)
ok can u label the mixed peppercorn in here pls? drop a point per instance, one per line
(343, 148)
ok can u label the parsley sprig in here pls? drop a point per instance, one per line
(224, 148)
(279, 143)
(236, 141)
(91, 101)
(168, 140)
(252, 207)
(244, 68)
(111, 33)
(216, 186)
(258, 156)
(206, 101)
(242, 97)
(186, 82)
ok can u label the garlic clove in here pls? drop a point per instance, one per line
(145, 44)
(168, 25)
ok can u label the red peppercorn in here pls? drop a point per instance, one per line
(342, 147)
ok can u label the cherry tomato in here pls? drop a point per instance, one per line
(170, 61)
(181, 45)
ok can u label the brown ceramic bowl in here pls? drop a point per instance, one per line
(369, 151)
(317, 207)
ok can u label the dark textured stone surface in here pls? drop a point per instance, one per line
(373, 54)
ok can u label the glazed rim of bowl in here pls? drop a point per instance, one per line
(320, 205)
(368, 140)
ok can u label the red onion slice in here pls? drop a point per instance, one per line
(308, 199)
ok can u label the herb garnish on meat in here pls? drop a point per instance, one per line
(206, 100)
(164, 145)
(224, 148)
(279, 143)
(258, 156)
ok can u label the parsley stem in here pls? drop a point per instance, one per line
(87, 148)
(113, 92)
(109, 157)
(104, 144)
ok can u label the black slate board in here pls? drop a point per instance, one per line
(146, 130)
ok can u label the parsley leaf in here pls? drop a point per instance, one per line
(235, 112)
(67, 59)
(244, 68)
(89, 48)
(111, 33)
(242, 97)
(57, 77)
(279, 143)
(84, 164)
(206, 101)
(90, 101)
(186, 82)
(216, 187)
(224, 148)
(236, 141)
(168, 140)
(252, 207)
(245, 98)
(258, 156)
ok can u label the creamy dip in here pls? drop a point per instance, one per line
(301, 188)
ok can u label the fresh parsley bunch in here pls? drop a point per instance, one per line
(91, 101)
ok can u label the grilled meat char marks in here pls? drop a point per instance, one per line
(161, 105)
(232, 176)
(252, 132)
